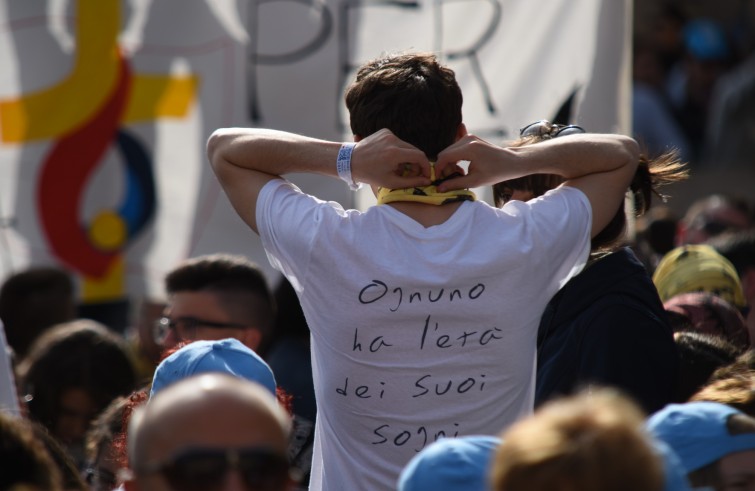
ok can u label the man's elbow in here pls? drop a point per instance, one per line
(215, 147)
(631, 151)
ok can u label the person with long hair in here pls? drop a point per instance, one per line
(607, 325)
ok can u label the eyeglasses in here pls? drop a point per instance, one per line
(186, 327)
(546, 129)
(204, 469)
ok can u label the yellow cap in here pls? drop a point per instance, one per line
(698, 268)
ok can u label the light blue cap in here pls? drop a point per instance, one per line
(675, 476)
(698, 432)
(229, 356)
(451, 464)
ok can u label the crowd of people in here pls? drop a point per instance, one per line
(431, 342)
(693, 81)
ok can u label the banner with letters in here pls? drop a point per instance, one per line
(105, 108)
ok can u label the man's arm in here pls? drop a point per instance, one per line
(600, 165)
(245, 159)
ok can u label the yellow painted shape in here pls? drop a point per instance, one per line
(110, 287)
(108, 231)
(57, 110)
(160, 96)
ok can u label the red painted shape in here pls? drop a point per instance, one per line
(64, 176)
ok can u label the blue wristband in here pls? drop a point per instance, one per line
(343, 165)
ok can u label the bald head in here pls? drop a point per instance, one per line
(211, 411)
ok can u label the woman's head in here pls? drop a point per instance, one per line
(650, 176)
(72, 373)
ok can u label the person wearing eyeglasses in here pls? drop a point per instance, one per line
(607, 325)
(422, 309)
(210, 432)
(214, 297)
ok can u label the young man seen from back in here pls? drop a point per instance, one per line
(424, 309)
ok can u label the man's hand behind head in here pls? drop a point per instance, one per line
(382, 159)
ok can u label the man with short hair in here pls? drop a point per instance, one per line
(215, 297)
(423, 310)
(211, 431)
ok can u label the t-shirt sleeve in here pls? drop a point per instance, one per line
(561, 221)
(288, 222)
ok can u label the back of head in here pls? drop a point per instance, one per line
(590, 442)
(700, 355)
(32, 301)
(451, 464)
(412, 95)
(209, 413)
(206, 392)
(238, 283)
(81, 354)
(25, 462)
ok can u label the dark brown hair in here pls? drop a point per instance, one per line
(24, 458)
(80, 354)
(239, 284)
(34, 300)
(412, 95)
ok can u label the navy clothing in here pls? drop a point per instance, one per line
(607, 326)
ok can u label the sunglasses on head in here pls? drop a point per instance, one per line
(546, 129)
(205, 469)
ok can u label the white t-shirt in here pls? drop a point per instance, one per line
(417, 332)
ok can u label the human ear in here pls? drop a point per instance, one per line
(461, 131)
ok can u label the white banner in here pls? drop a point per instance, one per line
(105, 108)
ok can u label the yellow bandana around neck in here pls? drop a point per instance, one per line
(428, 194)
